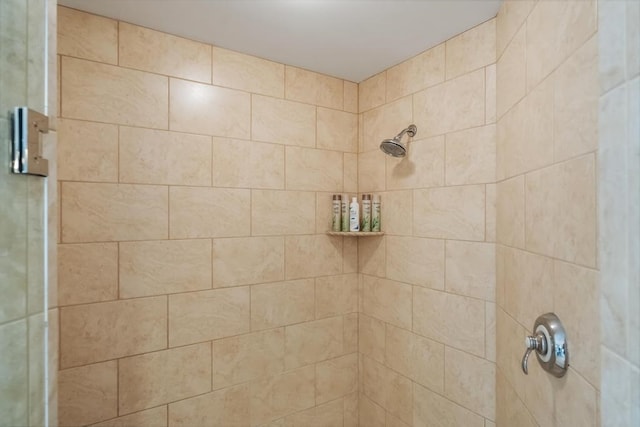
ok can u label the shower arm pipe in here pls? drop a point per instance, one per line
(411, 131)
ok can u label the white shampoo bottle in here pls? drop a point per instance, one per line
(354, 215)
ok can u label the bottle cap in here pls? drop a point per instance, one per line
(376, 198)
(366, 197)
(337, 197)
(354, 200)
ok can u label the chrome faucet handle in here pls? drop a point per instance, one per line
(537, 343)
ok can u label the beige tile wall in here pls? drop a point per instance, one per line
(427, 288)
(546, 166)
(197, 286)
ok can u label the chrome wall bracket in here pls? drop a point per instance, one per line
(26, 146)
(550, 344)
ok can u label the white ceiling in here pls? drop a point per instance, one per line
(350, 39)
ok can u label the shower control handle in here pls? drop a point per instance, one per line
(550, 344)
(537, 343)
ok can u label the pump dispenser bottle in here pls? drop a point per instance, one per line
(354, 215)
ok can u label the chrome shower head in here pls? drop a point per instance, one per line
(394, 146)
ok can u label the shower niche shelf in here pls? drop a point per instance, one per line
(356, 233)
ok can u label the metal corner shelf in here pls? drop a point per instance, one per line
(356, 233)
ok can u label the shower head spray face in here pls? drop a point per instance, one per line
(394, 146)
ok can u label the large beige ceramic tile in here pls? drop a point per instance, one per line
(207, 315)
(422, 71)
(282, 122)
(106, 212)
(246, 357)
(451, 319)
(246, 72)
(311, 256)
(470, 382)
(87, 36)
(576, 302)
(490, 94)
(336, 295)
(282, 212)
(575, 106)
(283, 303)
(511, 16)
(510, 410)
(561, 211)
(525, 134)
(510, 212)
(328, 414)
(471, 156)
(528, 283)
(423, 166)
(490, 213)
(208, 212)
(454, 105)
(313, 170)
(313, 88)
(228, 407)
(165, 376)
(247, 164)
(87, 273)
(511, 68)
(312, 342)
(104, 93)
(210, 110)
(554, 31)
(87, 151)
(388, 301)
(350, 97)
(539, 394)
(156, 417)
(387, 121)
(283, 394)
(472, 49)
(416, 260)
(95, 332)
(162, 53)
(337, 130)
(509, 353)
(372, 256)
(389, 389)
(396, 212)
(350, 333)
(432, 410)
(576, 402)
(371, 171)
(247, 260)
(88, 394)
(415, 357)
(350, 175)
(371, 414)
(159, 157)
(450, 212)
(371, 337)
(336, 377)
(471, 269)
(372, 92)
(164, 267)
